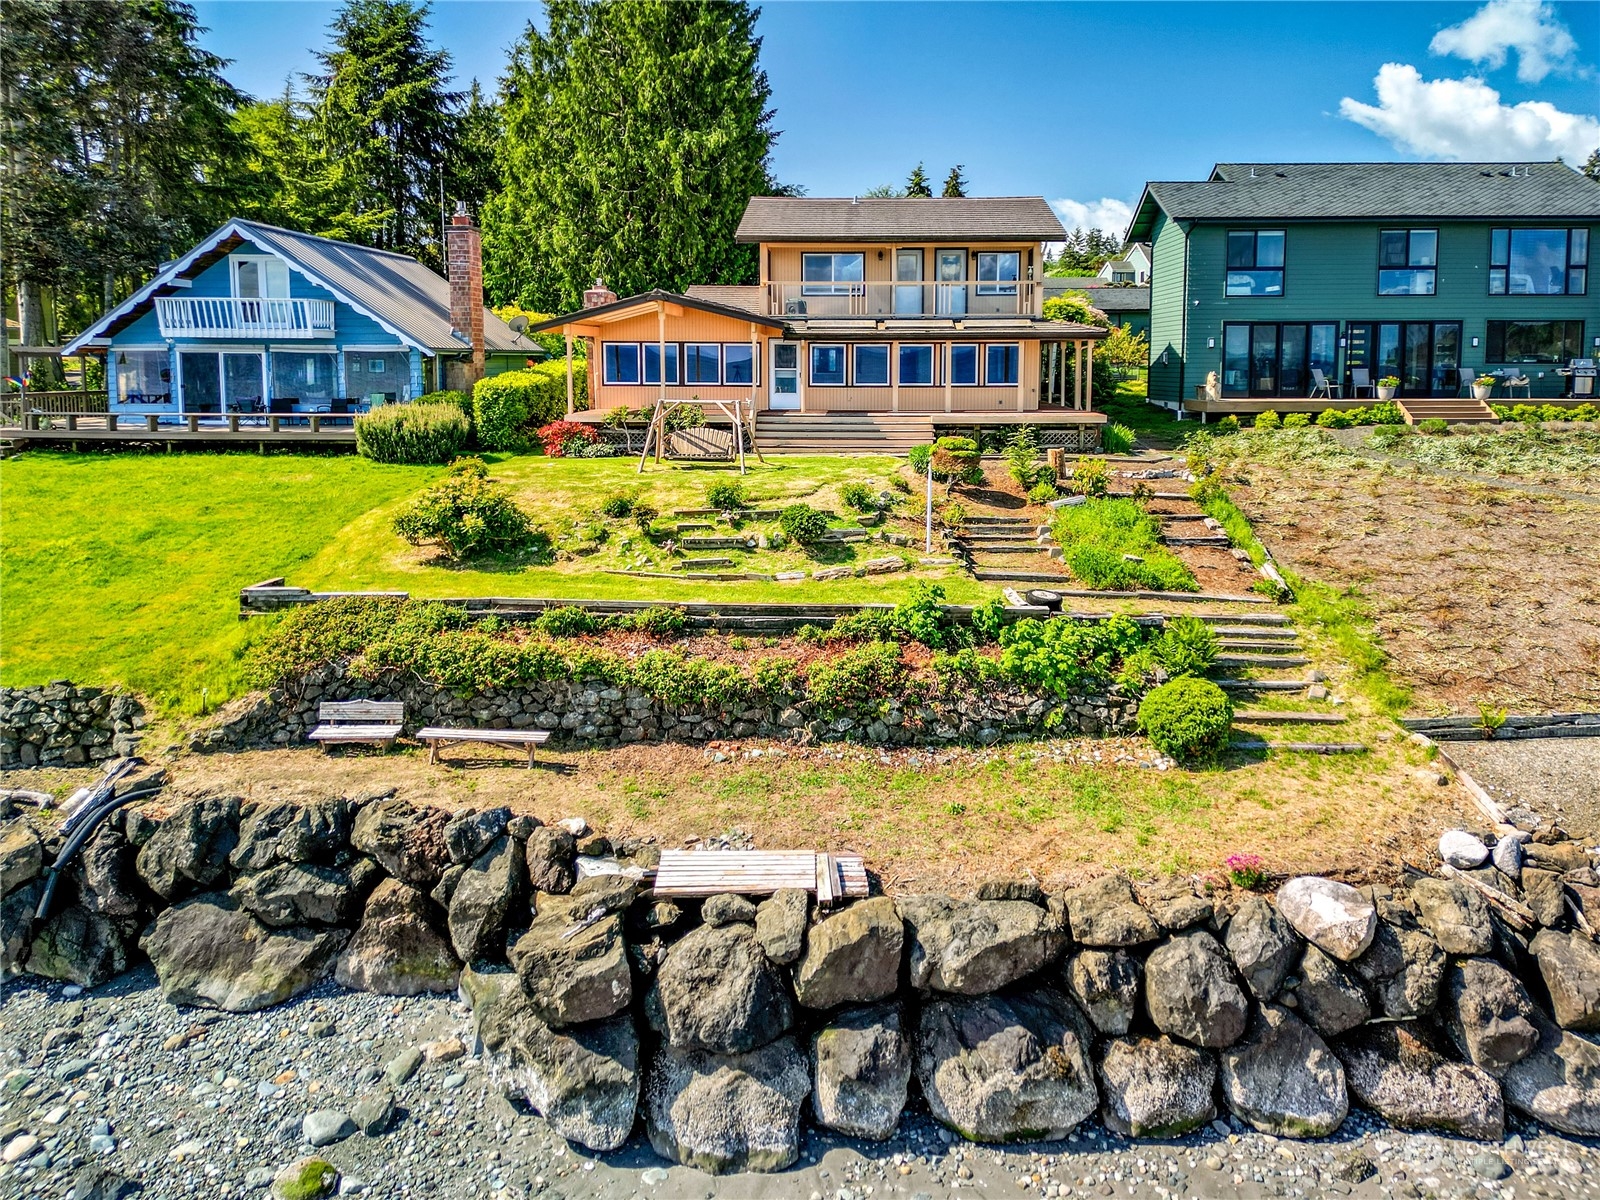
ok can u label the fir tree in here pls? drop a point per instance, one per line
(917, 185)
(1591, 168)
(955, 184)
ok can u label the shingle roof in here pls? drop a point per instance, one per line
(1121, 299)
(750, 297)
(1360, 191)
(973, 219)
(648, 299)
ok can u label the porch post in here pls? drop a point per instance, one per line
(1077, 374)
(947, 354)
(568, 332)
(1088, 371)
(661, 363)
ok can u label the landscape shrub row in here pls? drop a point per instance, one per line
(419, 433)
(507, 408)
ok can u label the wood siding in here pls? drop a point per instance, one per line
(692, 326)
(1168, 309)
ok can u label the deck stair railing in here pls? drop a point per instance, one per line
(237, 316)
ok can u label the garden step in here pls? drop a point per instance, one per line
(1262, 660)
(1301, 747)
(686, 526)
(719, 543)
(1213, 540)
(1263, 685)
(1240, 629)
(1285, 646)
(1458, 410)
(1009, 548)
(1265, 717)
(696, 564)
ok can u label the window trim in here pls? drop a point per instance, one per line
(1016, 349)
(1409, 268)
(997, 286)
(933, 363)
(1573, 263)
(263, 265)
(833, 285)
(1282, 269)
(1489, 340)
(977, 364)
(683, 370)
(811, 364)
(888, 364)
(606, 378)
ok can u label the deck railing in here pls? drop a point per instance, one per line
(971, 298)
(14, 404)
(233, 316)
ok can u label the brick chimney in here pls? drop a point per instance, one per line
(464, 249)
(599, 294)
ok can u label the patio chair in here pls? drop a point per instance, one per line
(1361, 380)
(1511, 380)
(1464, 379)
(1321, 387)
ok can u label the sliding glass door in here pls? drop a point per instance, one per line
(1272, 360)
(1423, 355)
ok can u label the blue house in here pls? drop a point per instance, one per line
(257, 319)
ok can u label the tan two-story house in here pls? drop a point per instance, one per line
(876, 325)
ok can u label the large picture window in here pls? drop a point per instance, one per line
(621, 361)
(871, 366)
(916, 366)
(1255, 262)
(1538, 262)
(832, 274)
(1534, 341)
(1408, 262)
(1000, 364)
(738, 363)
(964, 366)
(304, 376)
(702, 362)
(652, 362)
(144, 377)
(998, 271)
(827, 366)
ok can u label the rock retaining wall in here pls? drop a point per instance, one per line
(724, 1024)
(593, 713)
(58, 724)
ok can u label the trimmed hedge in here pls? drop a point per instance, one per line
(413, 433)
(508, 407)
(1188, 718)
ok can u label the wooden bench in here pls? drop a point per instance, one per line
(760, 873)
(369, 722)
(436, 736)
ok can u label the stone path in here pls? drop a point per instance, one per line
(198, 1104)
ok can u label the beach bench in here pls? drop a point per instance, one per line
(370, 722)
(437, 736)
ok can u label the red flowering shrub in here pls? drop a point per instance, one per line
(558, 433)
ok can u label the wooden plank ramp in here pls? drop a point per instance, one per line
(760, 873)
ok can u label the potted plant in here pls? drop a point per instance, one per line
(1388, 386)
(1483, 387)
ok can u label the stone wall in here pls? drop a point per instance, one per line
(597, 714)
(1017, 1014)
(58, 724)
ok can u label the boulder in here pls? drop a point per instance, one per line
(718, 991)
(79, 946)
(469, 834)
(1105, 983)
(726, 1113)
(408, 842)
(21, 855)
(573, 961)
(110, 884)
(286, 832)
(1282, 1079)
(1543, 892)
(486, 897)
(1174, 906)
(1330, 914)
(189, 852)
(781, 924)
(1557, 1084)
(1456, 916)
(1570, 965)
(972, 947)
(1398, 1074)
(1190, 992)
(1507, 856)
(852, 957)
(1156, 1087)
(1488, 1014)
(1462, 850)
(396, 950)
(298, 894)
(728, 909)
(373, 1112)
(1007, 1067)
(1327, 996)
(16, 915)
(305, 1179)
(551, 856)
(209, 951)
(583, 1080)
(1402, 968)
(862, 1065)
(1263, 946)
(1104, 913)
(1011, 889)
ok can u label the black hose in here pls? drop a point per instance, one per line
(91, 820)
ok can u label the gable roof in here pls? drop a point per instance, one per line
(619, 310)
(746, 296)
(1372, 191)
(395, 290)
(970, 219)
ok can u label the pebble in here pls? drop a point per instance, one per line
(1489, 1165)
(653, 1175)
(1462, 850)
(326, 1126)
(403, 1066)
(452, 1081)
(444, 1050)
(19, 1147)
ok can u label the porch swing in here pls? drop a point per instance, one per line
(700, 442)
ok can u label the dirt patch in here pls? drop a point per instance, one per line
(1558, 778)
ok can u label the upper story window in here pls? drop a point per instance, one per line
(1408, 262)
(260, 276)
(1255, 262)
(998, 272)
(833, 274)
(1538, 262)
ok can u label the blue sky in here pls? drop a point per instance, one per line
(1083, 102)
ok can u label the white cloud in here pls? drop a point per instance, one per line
(1463, 119)
(1530, 27)
(1107, 213)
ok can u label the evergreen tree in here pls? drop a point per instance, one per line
(917, 185)
(884, 191)
(382, 112)
(634, 135)
(471, 173)
(1591, 168)
(955, 184)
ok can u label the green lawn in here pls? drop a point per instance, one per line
(126, 568)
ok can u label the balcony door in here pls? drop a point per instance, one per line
(1271, 360)
(908, 282)
(951, 275)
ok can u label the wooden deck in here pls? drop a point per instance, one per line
(330, 429)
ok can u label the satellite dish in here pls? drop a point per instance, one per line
(518, 324)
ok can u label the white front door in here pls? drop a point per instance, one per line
(785, 394)
(952, 272)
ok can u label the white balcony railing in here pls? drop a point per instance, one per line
(886, 301)
(233, 317)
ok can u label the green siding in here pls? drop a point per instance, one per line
(1331, 274)
(1168, 290)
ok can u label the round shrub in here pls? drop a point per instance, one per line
(859, 497)
(1228, 424)
(1434, 425)
(413, 433)
(1297, 421)
(556, 436)
(1268, 420)
(466, 515)
(803, 523)
(1332, 418)
(1188, 719)
(1042, 493)
(617, 505)
(726, 495)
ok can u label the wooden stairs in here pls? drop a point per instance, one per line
(1464, 411)
(842, 433)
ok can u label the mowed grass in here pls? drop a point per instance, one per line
(125, 569)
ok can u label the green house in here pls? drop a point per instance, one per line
(1274, 275)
